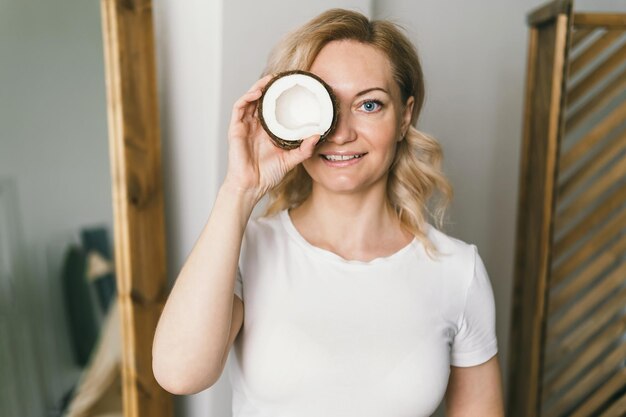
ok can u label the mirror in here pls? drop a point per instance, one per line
(82, 258)
(55, 196)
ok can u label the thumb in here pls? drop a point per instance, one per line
(304, 151)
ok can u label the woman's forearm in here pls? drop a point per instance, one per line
(192, 333)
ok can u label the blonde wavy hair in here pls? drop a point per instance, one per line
(415, 176)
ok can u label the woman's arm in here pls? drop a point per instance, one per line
(201, 317)
(475, 391)
(192, 336)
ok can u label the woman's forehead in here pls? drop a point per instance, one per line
(351, 66)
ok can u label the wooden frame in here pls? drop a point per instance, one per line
(139, 231)
(542, 119)
(567, 344)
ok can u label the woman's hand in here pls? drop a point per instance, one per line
(255, 164)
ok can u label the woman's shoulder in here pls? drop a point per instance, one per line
(452, 250)
(264, 226)
(458, 266)
(446, 242)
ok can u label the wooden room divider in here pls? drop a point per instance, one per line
(138, 202)
(568, 333)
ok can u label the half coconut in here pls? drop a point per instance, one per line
(296, 105)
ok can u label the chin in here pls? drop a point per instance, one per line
(343, 182)
(342, 190)
(344, 185)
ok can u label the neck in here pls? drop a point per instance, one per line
(357, 220)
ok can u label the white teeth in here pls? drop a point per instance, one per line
(341, 157)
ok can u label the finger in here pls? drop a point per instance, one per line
(259, 85)
(304, 151)
(257, 88)
(253, 94)
(261, 82)
(252, 109)
(247, 98)
(244, 102)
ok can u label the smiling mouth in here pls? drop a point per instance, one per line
(342, 157)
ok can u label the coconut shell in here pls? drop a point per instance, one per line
(292, 144)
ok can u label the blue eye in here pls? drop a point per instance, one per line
(371, 106)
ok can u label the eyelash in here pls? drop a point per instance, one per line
(377, 102)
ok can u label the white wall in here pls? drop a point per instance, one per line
(600, 6)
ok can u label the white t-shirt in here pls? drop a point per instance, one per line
(328, 337)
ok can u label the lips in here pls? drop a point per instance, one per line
(344, 159)
(338, 157)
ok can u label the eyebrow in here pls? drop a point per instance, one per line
(371, 89)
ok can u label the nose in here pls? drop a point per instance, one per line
(344, 130)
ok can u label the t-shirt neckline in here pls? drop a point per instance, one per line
(287, 223)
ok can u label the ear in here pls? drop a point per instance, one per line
(406, 115)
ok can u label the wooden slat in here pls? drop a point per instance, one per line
(618, 408)
(608, 93)
(575, 364)
(604, 392)
(613, 227)
(600, 73)
(599, 132)
(592, 52)
(591, 270)
(564, 296)
(139, 224)
(590, 299)
(584, 227)
(587, 383)
(580, 35)
(598, 161)
(550, 11)
(569, 289)
(590, 194)
(555, 348)
(594, 20)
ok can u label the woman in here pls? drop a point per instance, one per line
(354, 304)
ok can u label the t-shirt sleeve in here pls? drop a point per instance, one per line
(475, 341)
(239, 284)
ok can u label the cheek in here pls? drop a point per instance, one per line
(391, 155)
(384, 140)
(383, 131)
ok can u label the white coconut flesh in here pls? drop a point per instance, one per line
(297, 106)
